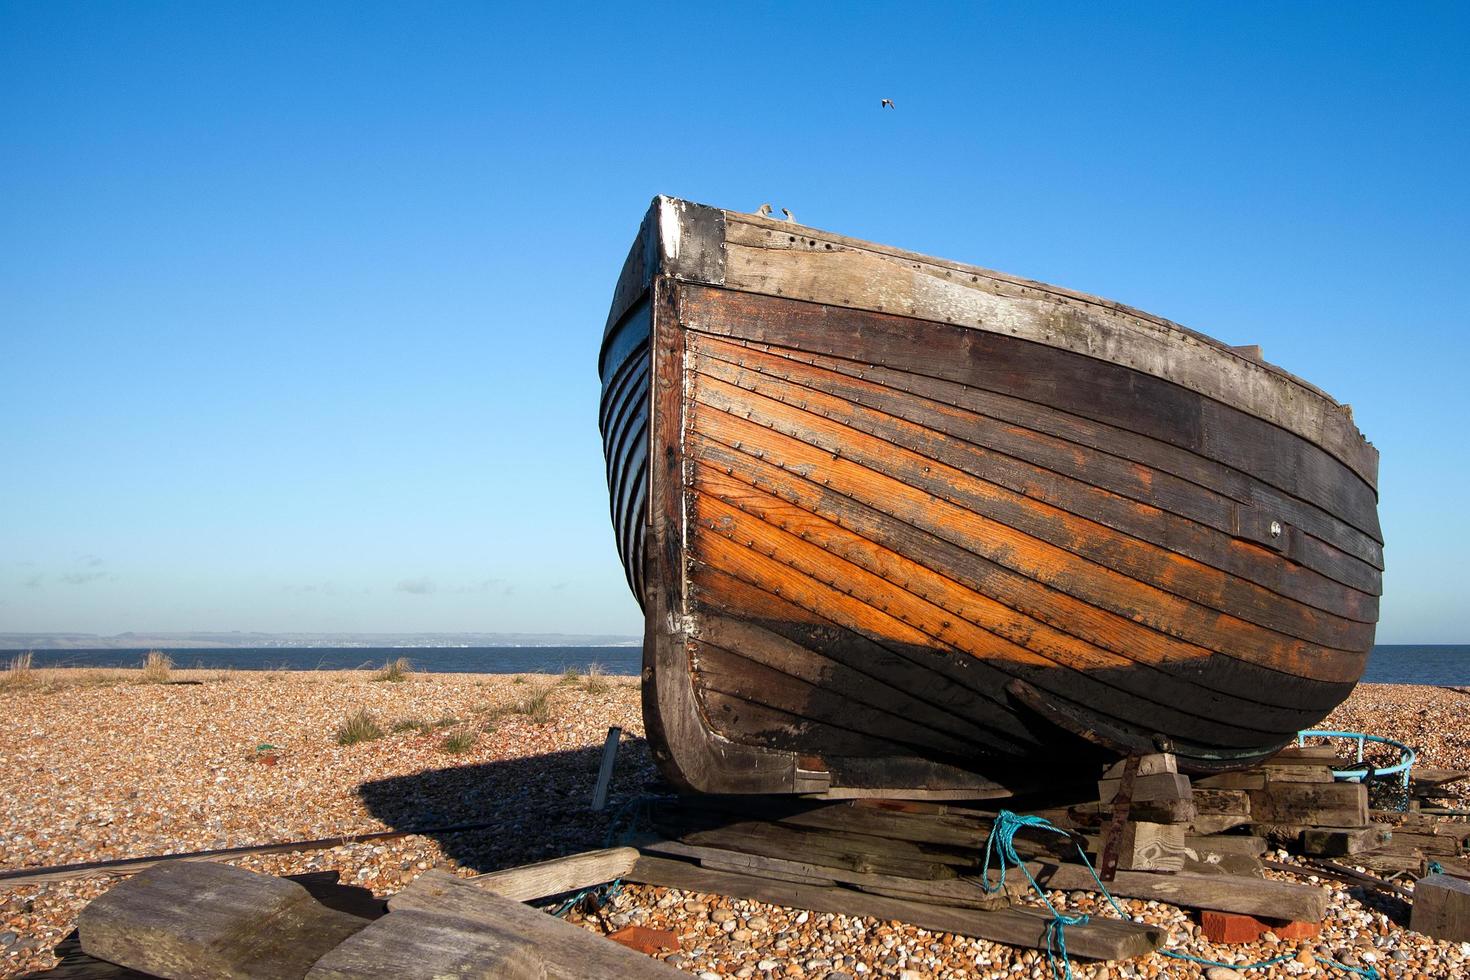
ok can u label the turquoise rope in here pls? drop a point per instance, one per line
(1001, 844)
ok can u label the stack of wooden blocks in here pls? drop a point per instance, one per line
(1294, 800)
(1160, 808)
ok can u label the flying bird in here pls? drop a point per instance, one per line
(764, 210)
(789, 216)
(887, 104)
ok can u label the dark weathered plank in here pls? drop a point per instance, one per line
(1442, 908)
(956, 892)
(207, 920)
(1107, 939)
(1223, 893)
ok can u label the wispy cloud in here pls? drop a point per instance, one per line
(81, 578)
(415, 586)
(34, 582)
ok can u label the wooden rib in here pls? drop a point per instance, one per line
(1076, 563)
(1069, 668)
(629, 374)
(1139, 558)
(1337, 542)
(801, 508)
(1075, 383)
(938, 687)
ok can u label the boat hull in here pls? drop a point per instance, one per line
(881, 551)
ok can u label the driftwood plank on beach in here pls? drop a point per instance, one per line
(559, 875)
(567, 951)
(206, 920)
(957, 892)
(852, 851)
(1107, 939)
(415, 945)
(1222, 893)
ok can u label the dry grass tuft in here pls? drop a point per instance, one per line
(536, 706)
(156, 667)
(395, 670)
(570, 676)
(597, 682)
(19, 673)
(459, 741)
(360, 726)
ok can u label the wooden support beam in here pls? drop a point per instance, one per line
(956, 892)
(1151, 847)
(1103, 939)
(1146, 789)
(1225, 893)
(1338, 841)
(559, 875)
(567, 951)
(427, 946)
(205, 920)
(605, 772)
(1442, 908)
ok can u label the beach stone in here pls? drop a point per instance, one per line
(8, 938)
(1222, 973)
(1305, 956)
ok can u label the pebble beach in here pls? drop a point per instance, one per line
(98, 765)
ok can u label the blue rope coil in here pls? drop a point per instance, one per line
(1001, 844)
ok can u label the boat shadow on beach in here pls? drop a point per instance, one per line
(523, 810)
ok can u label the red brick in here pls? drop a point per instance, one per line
(1296, 930)
(1231, 927)
(645, 940)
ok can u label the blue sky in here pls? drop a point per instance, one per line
(300, 303)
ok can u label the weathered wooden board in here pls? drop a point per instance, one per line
(418, 945)
(559, 875)
(1311, 804)
(1442, 908)
(1151, 847)
(1107, 939)
(1224, 893)
(567, 951)
(207, 920)
(957, 892)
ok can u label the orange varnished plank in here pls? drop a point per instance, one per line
(1337, 552)
(1113, 684)
(960, 519)
(1137, 558)
(799, 507)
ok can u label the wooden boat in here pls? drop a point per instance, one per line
(899, 524)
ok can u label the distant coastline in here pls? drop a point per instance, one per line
(235, 640)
